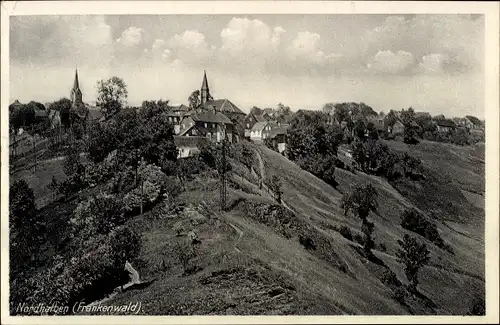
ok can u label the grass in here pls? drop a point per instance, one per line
(268, 271)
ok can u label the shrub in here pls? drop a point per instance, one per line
(186, 254)
(416, 222)
(346, 233)
(390, 279)
(413, 255)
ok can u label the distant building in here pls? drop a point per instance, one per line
(188, 146)
(278, 135)
(251, 119)
(211, 124)
(397, 128)
(258, 131)
(378, 121)
(445, 125)
(175, 115)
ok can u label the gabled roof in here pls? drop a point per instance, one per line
(278, 130)
(422, 114)
(179, 108)
(191, 142)
(200, 129)
(446, 123)
(259, 126)
(261, 118)
(211, 117)
(223, 105)
(95, 114)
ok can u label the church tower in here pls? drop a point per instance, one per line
(205, 91)
(76, 93)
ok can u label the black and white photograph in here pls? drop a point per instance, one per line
(212, 163)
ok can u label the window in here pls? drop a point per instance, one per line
(170, 118)
(206, 125)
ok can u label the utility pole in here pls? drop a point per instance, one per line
(222, 173)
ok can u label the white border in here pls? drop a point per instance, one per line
(489, 9)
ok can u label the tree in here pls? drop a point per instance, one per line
(391, 118)
(341, 112)
(268, 142)
(256, 110)
(361, 202)
(63, 106)
(275, 187)
(194, 100)
(23, 226)
(125, 245)
(407, 116)
(413, 255)
(329, 108)
(360, 129)
(372, 131)
(111, 96)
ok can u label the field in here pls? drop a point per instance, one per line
(259, 266)
(261, 257)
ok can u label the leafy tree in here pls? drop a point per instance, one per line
(372, 131)
(361, 202)
(413, 255)
(360, 129)
(328, 108)
(407, 116)
(102, 141)
(391, 118)
(63, 106)
(256, 110)
(23, 225)
(111, 96)
(341, 112)
(194, 100)
(125, 245)
(275, 187)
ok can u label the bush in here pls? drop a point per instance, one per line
(416, 222)
(346, 233)
(413, 255)
(390, 279)
(186, 254)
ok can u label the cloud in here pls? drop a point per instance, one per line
(390, 62)
(131, 37)
(190, 47)
(433, 62)
(62, 40)
(456, 37)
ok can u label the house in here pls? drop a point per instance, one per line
(251, 119)
(278, 135)
(188, 146)
(211, 124)
(397, 128)
(474, 122)
(377, 121)
(260, 130)
(175, 115)
(445, 125)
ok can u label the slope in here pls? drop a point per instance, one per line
(261, 257)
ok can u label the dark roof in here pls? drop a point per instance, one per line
(181, 107)
(447, 123)
(223, 105)
(259, 126)
(194, 141)
(199, 128)
(40, 113)
(261, 118)
(278, 130)
(474, 120)
(209, 116)
(95, 114)
(422, 114)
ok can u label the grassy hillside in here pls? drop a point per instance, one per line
(264, 258)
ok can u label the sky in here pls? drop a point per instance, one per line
(433, 63)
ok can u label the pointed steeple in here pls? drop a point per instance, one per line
(76, 93)
(205, 91)
(76, 85)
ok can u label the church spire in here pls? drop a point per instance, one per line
(76, 84)
(205, 91)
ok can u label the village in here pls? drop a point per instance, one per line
(208, 119)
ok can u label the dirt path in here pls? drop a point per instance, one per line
(134, 280)
(240, 234)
